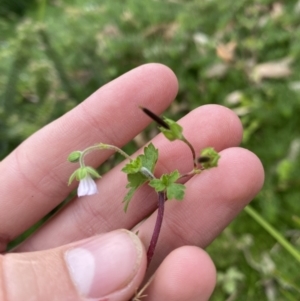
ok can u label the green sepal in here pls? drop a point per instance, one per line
(82, 172)
(74, 156)
(72, 177)
(134, 176)
(175, 131)
(93, 172)
(167, 183)
(213, 157)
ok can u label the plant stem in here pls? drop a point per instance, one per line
(114, 148)
(195, 171)
(192, 150)
(139, 295)
(146, 172)
(158, 223)
(101, 146)
(273, 232)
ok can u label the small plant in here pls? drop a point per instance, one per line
(141, 171)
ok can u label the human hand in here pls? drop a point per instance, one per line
(33, 181)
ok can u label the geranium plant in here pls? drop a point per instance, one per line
(141, 171)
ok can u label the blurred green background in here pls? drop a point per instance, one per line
(241, 54)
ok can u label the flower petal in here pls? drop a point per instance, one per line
(87, 186)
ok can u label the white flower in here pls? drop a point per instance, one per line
(87, 186)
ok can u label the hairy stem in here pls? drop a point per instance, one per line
(101, 146)
(192, 150)
(114, 148)
(158, 223)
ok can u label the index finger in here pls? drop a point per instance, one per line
(33, 177)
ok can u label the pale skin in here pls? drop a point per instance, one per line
(34, 180)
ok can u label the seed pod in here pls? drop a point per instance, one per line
(203, 159)
(156, 118)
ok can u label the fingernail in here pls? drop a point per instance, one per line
(104, 264)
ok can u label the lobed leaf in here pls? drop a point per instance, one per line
(134, 176)
(167, 183)
(175, 191)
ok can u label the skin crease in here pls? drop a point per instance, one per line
(212, 200)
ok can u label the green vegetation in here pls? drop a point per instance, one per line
(134, 176)
(242, 54)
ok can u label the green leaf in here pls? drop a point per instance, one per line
(134, 176)
(157, 184)
(175, 131)
(150, 157)
(128, 197)
(175, 191)
(173, 176)
(167, 182)
(133, 166)
(147, 160)
(135, 180)
(211, 158)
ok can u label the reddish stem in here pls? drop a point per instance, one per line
(158, 223)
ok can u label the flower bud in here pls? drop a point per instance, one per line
(74, 156)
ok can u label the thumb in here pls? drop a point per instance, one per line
(110, 267)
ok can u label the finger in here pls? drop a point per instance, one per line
(206, 126)
(186, 274)
(212, 200)
(107, 267)
(39, 166)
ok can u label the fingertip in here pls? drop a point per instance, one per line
(162, 75)
(245, 170)
(255, 167)
(220, 120)
(188, 273)
(159, 68)
(232, 123)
